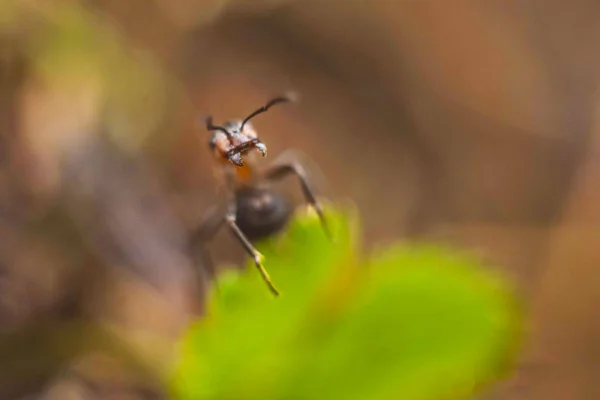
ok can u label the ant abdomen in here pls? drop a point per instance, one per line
(261, 212)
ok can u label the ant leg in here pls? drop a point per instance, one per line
(279, 171)
(231, 221)
(211, 222)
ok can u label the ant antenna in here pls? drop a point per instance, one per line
(282, 99)
(211, 127)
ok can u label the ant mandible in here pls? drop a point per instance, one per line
(253, 210)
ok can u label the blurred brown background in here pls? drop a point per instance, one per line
(470, 122)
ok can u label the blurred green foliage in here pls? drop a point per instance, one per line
(415, 322)
(77, 47)
(7, 14)
(71, 48)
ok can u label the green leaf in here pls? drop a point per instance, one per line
(426, 323)
(415, 322)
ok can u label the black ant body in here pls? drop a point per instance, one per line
(254, 211)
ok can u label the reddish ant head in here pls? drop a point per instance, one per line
(235, 139)
(230, 142)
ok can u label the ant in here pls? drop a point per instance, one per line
(254, 211)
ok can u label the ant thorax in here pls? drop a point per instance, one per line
(236, 177)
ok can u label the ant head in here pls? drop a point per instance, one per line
(232, 141)
(236, 138)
